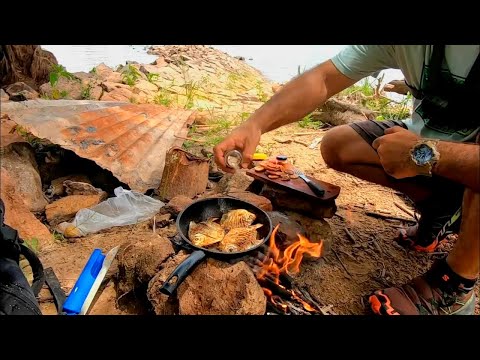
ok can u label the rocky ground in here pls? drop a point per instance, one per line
(362, 256)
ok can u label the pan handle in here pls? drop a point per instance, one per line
(181, 272)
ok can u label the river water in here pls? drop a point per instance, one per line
(277, 62)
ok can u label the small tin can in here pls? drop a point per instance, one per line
(233, 159)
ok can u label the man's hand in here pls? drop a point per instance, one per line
(394, 151)
(244, 138)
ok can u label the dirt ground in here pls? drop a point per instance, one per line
(351, 270)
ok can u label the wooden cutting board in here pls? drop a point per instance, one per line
(298, 186)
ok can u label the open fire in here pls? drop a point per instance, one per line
(273, 273)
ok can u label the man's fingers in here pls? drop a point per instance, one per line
(219, 152)
(376, 143)
(394, 129)
(247, 153)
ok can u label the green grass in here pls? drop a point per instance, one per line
(152, 77)
(190, 92)
(130, 75)
(86, 92)
(162, 98)
(309, 123)
(261, 95)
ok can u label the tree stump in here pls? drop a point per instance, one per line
(184, 174)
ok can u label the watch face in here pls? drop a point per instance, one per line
(423, 154)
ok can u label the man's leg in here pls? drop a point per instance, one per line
(447, 288)
(348, 149)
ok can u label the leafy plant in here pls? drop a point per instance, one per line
(94, 70)
(57, 72)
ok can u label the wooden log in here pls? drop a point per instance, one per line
(284, 200)
(184, 174)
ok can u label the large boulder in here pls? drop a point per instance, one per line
(19, 160)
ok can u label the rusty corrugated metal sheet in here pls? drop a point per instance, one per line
(129, 140)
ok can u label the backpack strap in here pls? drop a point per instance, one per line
(472, 82)
(37, 269)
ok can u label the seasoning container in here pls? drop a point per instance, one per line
(233, 159)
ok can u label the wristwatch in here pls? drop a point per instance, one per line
(425, 155)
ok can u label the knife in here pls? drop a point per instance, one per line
(317, 189)
(109, 257)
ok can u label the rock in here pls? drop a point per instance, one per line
(66, 208)
(239, 181)
(64, 89)
(107, 74)
(161, 220)
(18, 215)
(145, 86)
(247, 196)
(110, 86)
(176, 205)
(19, 160)
(21, 92)
(201, 117)
(82, 188)
(161, 303)
(149, 69)
(58, 188)
(219, 288)
(241, 58)
(139, 261)
(3, 96)
(119, 94)
(96, 93)
(84, 76)
(160, 62)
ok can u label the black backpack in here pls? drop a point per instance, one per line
(17, 297)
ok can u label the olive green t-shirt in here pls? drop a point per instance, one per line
(360, 61)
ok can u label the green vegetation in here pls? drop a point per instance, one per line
(190, 92)
(368, 95)
(262, 96)
(93, 71)
(163, 98)
(130, 75)
(309, 123)
(32, 244)
(152, 77)
(86, 92)
(57, 72)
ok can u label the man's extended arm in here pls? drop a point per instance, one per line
(459, 162)
(301, 96)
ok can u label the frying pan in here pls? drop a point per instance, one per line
(203, 210)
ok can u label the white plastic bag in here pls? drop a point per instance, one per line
(126, 208)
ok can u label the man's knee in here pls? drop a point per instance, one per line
(334, 145)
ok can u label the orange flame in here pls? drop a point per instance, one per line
(291, 259)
